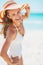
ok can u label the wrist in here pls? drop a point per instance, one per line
(23, 7)
(9, 63)
(27, 6)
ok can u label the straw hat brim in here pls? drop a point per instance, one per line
(11, 7)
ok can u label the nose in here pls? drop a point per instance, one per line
(18, 17)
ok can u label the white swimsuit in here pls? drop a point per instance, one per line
(15, 48)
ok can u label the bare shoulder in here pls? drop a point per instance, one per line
(10, 35)
(11, 32)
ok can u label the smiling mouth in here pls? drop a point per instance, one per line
(19, 19)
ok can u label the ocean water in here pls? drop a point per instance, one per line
(34, 21)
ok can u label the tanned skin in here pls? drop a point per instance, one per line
(11, 34)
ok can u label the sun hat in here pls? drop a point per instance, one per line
(9, 5)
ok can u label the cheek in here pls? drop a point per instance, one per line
(16, 16)
(13, 17)
(19, 16)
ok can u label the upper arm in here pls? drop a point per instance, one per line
(9, 37)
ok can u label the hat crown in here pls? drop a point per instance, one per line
(8, 3)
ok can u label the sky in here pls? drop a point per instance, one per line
(35, 5)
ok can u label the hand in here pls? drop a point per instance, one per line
(11, 64)
(15, 59)
(25, 6)
(11, 60)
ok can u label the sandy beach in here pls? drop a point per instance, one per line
(32, 48)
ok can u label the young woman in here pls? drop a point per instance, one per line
(13, 31)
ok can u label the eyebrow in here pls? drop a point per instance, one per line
(15, 11)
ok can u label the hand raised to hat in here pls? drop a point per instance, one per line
(25, 6)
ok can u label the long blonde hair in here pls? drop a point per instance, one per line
(7, 22)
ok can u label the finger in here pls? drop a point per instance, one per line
(23, 6)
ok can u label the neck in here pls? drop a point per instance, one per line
(14, 24)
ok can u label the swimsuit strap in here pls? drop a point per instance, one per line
(16, 27)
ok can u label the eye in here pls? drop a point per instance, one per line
(18, 12)
(13, 14)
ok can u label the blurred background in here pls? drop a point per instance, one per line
(32, 43)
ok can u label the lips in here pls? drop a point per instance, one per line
(19, 19)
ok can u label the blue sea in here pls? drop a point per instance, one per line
(34, 21)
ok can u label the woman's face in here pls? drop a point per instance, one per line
(15, 15)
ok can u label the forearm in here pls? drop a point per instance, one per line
(4, 52)
(5, 57)
(27, 12)
(27, 8)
